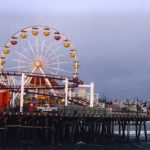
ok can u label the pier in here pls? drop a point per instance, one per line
(64, 126)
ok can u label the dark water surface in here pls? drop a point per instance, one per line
(84, 146)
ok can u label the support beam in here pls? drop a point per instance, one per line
(91, 94)
(91, 86)
(145, 130)
(70, 93)
(128, 130)
(13, 100)
(1, 66)
(22, 92)
(119, 126)
(66, 91)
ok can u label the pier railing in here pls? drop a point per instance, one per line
(82, 110)
(73, 110)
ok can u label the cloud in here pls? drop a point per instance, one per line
(76, 7)
(112, 38)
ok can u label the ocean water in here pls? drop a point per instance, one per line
(85, 146)
(116, 144)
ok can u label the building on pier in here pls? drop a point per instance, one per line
(4, 99)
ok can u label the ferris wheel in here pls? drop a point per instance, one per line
(40, 49)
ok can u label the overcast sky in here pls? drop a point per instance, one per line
(112, 38)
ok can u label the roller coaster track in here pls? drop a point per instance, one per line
(45, 90)
(48, 76)
(75, 100)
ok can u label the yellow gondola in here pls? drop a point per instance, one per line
(35, 33)
(2, 62)
(76, 66)
(6, 51)
(46, 33)
(66, 44)
(72, 55)
(23, 35)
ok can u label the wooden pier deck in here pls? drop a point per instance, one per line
(65, 127)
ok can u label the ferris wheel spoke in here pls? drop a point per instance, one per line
(50, 64)
(49, 70)
(65, 62)
(57, 57)
(32, 50)
(56, 49)
(21, 55)
(46, 52)
(51, 43)
(42, 48)
(20, 61)
(52, 71)
(36, 45)
(43, 52)
(47, 49)
(62, 70)
(17, 67)
(26, 51)
(53, 53)
(27, 68)
(60, 62)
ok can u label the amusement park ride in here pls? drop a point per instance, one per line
(39, 62)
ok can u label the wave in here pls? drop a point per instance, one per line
(133, 133)
(80, 142)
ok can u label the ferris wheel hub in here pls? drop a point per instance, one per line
(37, 63)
